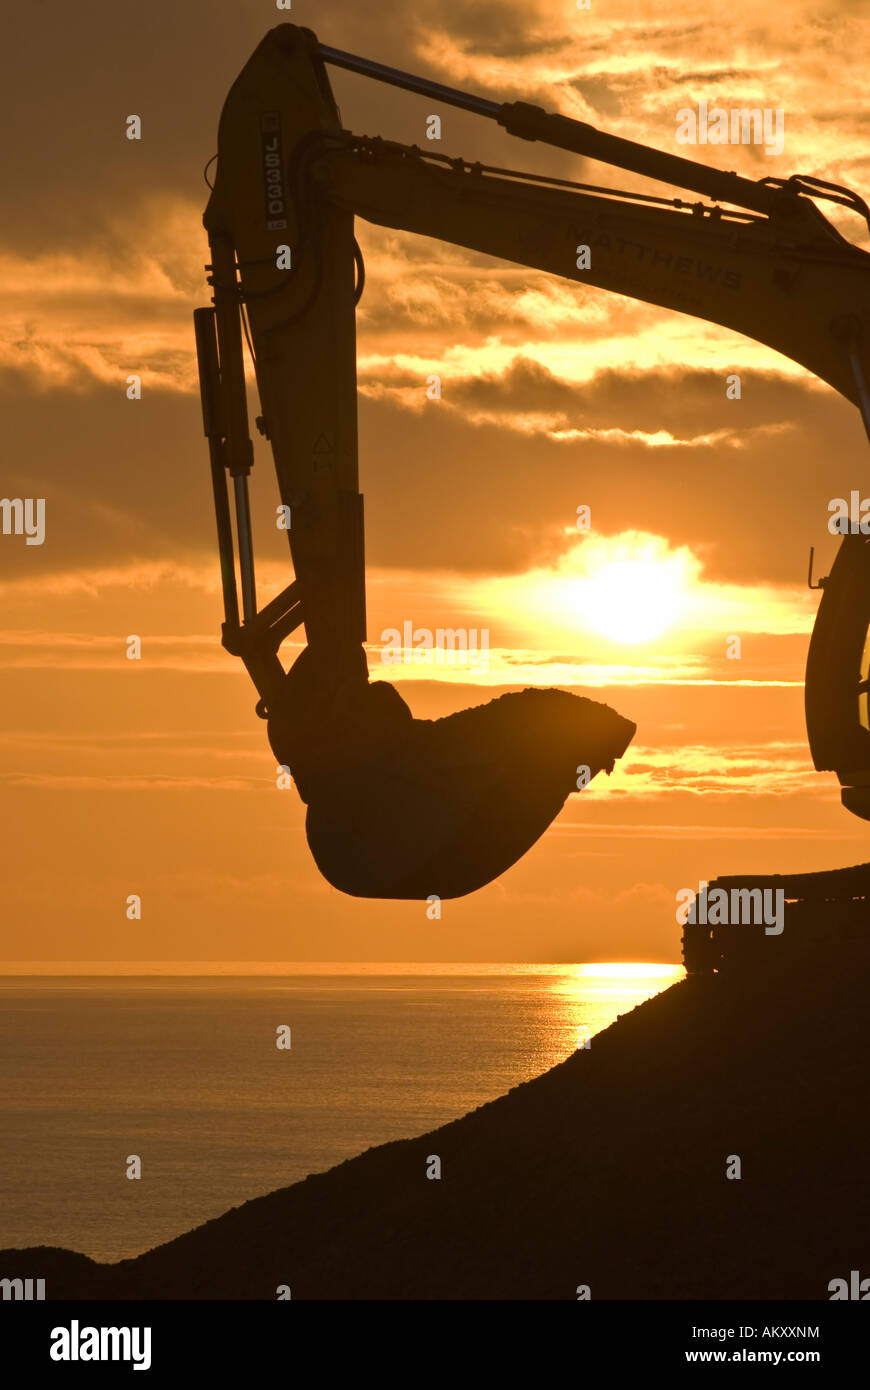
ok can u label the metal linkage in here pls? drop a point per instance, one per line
(258, 638)
(529, 122)
(451, 96)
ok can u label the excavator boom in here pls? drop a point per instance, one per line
(792, 283)
(285, 267)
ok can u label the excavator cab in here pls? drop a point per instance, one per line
(837, 689)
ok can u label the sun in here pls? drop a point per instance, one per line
(628, 588)
(631, 600)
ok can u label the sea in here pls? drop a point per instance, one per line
(178, 1066)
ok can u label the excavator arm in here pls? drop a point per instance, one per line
(286, 270)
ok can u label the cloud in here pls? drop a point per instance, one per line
(579, 395)
(661, 63)
(130, 782)
(691, 830)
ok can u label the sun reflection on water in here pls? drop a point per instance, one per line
(591, 997)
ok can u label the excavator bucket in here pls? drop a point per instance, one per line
(410, 808)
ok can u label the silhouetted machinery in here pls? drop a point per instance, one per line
(838, 675)
(407, 808)
(777, 922)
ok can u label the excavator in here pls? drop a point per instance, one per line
(406, 808)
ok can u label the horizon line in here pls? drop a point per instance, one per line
(218, 969)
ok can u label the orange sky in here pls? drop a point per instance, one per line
(154, 777)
